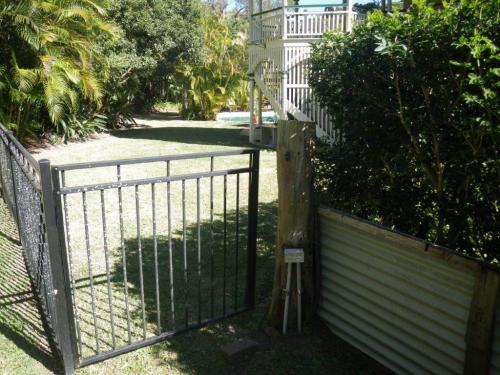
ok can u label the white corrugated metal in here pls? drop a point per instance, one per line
(394, 299)
(495, 355)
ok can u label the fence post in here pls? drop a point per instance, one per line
(295, 214)
(253, 207)
(59, 271)
(479, 335)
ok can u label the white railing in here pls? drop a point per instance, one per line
(267, 27)
(299, 23)
(315, 24)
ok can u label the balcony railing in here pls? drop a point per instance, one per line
(300, 22)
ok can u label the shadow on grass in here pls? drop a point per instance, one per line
(20, 320)
(208, 281)
(160, 116)
(189, 135)
(200, 293)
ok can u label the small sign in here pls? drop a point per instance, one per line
(294, 255)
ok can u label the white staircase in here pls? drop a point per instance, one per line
(279, 52)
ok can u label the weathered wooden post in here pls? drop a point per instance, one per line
(295, 215)
(480, 325)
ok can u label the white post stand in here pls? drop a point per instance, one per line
(299, 298)
(293, 256)
(287, 297)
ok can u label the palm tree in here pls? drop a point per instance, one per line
(48, 59)
(221, 76)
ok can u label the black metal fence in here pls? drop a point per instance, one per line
(20, 182)
(127, 253)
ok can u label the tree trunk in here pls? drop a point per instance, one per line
(295, 214)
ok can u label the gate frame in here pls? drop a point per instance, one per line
(62, 323)
(65, 328)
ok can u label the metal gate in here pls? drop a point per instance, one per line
(135, 251)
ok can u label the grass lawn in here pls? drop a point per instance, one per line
(22, 343)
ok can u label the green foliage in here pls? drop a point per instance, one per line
(76, 126)
(415, 98)
(48, 61)
(156, 36)
(219, 79)
(365, 8)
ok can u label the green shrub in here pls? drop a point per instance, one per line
(415, 99)
(219, 79)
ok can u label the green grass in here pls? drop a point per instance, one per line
(196, 352)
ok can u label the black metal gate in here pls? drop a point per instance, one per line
(137, 250)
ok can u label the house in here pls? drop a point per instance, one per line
(279, 49)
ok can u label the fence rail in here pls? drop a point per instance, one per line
(128, 260)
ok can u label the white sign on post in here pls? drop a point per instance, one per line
(294, 255)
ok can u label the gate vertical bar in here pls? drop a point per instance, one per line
(155, 254)
(198, 243)
(184, 248)
(67, 243)
(63, 321)
(237, 243)
(170, 251)
(139, 251)
(106, 260)
(224, 262)
(123, 251)
(253, 200)
(91, 273)
(212, 239)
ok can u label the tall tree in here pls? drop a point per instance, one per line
(156, 36)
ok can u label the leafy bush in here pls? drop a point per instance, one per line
(77, 126)
(415, 99)
(219, 78)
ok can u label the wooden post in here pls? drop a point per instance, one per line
(479, 336)
(295, 215)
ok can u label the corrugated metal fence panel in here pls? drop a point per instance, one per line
(400, 302)
(495, 355)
